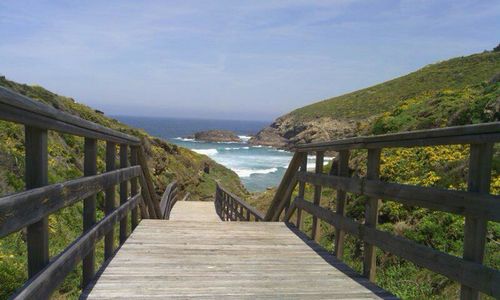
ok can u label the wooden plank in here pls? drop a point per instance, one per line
(226, 260)
(24, 208)
(316, 228)
(274, 212)
(166, 200)
(20, 109)
(477, 133)
(123, 192)
(149, 183)
(457, 202)
(134, 189)
(241, 202)
(201, 211)
(89, 208)
(302, 189)
(147, 197)
(109, 201)
(469, 273)
(475, 231)
(371, 215)
(36, 175)
(342, 171)
(44, 283)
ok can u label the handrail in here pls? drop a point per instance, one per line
(17, 108)
(476, 204)
(230, 207)
(22, 209)
(42, 285)
(168, 200)
(467, 134)
(30, 209)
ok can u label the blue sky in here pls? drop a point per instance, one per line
(231, 59)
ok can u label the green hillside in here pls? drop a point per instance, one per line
(455, 73)
(166, 161)
(459, 91)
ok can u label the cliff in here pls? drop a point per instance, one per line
(356, 113)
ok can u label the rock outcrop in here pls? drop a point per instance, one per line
(216, 136)
(287, 131)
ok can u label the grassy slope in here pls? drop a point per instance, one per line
(454, 73)
(166, 161)
(442, 102)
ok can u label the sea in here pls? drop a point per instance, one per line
(259, 167)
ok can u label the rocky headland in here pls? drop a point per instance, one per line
(216, 136)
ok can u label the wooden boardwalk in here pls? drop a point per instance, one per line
(203, 211)
(214, 260)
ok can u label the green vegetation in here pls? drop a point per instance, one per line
(166, 161)
(459, 91)
(455, 73)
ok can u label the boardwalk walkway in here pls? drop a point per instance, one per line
(214, 260)
(202, 211)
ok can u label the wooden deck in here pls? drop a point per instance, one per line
(202, 211)
(209, 259)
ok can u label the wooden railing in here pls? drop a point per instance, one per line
(476, 204)
(30, 209)
(230, 207)
(168, 200)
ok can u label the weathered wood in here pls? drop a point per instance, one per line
(480, 161)
(457, 202)
(226, 260)
(197, 211)
(231, 201)
(371, 215)
(123, 192)
(20, 109)
(134, 190)
(89, 208)
(109, 201)
(36, 175)
(32, 205)
(342, 171)
(44, 283)
(168, 200)
(469, 273)
(478, 133)
(148, 180)
(273, 212)
(302, 189)
(316, 228)
(147, 197)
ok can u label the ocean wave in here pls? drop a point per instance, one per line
(232, 148)
(248, 172)
(184, 139)
(244, 138)
(206, 151)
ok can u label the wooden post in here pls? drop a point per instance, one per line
(343, 170)
(36, 173)
(89, 208)
(475, 228)
(123, 192)
(248, 215)
(316, 226)
(109, 205)
(302, 189)
(134, 188)
(371, 214)
(227, 206)
(148, 184)
(274, 212)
